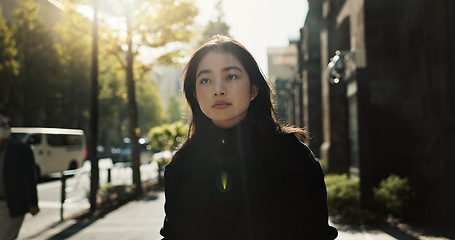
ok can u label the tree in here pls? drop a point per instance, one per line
(150, 105)
(74, 50)
(155, 24)
(218, 27)
(174, 108)
(39, 91)
(9, 67)
(112, 101)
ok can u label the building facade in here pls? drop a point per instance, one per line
(377, 94)
(282, 68)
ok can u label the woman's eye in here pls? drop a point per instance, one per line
(204, 81)
(231, 77)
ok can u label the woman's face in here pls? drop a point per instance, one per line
(223, 88)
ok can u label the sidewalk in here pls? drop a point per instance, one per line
(137, 219)
(142, 219)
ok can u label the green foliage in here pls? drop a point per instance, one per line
(150, 105)
(167, 136)
(45, 74)
(342, 191)
(155, 24)
(38, 95)
(161, 22)
(8, 64)
(112, 101)
(343, 199)
(74, 50)
(394, 195)
(9, 67)
(174, 108)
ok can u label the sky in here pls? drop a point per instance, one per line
(259, 24)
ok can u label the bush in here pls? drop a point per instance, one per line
(167, 136)
(394, 195)
(343, 199)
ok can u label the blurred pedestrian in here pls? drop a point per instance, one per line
(240, 174)
(18, 193)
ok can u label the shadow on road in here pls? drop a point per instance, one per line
(73, 229)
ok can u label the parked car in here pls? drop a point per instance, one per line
(54, 149)
(123, 152)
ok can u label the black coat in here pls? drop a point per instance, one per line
(238, 184)
(19, 178)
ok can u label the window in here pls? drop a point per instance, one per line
(18, 136)
(34, 139)
(64, 140)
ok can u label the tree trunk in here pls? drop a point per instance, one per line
(133, 114)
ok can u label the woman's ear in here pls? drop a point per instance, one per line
(254, 90)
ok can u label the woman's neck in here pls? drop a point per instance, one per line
(230, 123)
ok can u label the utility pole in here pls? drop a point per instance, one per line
(94, 179)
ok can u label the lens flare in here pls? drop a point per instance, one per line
(224, 179)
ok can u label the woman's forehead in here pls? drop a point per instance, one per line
(218, 59)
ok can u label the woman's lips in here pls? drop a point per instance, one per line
(221, 105)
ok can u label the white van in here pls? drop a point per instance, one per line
(55, 149)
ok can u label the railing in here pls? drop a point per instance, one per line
(65, 190)
(121, 176)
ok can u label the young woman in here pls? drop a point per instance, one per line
(240, 174)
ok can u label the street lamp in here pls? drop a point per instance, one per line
(342, 66)
(336, 67)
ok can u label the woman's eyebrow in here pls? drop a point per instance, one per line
(232, 68)
(202, 72)
(224, 70)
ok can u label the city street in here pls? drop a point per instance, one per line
(140, 219)
(49, 193)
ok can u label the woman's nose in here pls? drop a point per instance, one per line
(220, 92)
(219, 89)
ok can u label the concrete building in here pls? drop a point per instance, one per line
(384, 103)
(282, 68)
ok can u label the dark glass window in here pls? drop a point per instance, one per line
(34, 139)
(18, 136)
(64, 140)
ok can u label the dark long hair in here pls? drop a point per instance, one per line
(260, 111)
